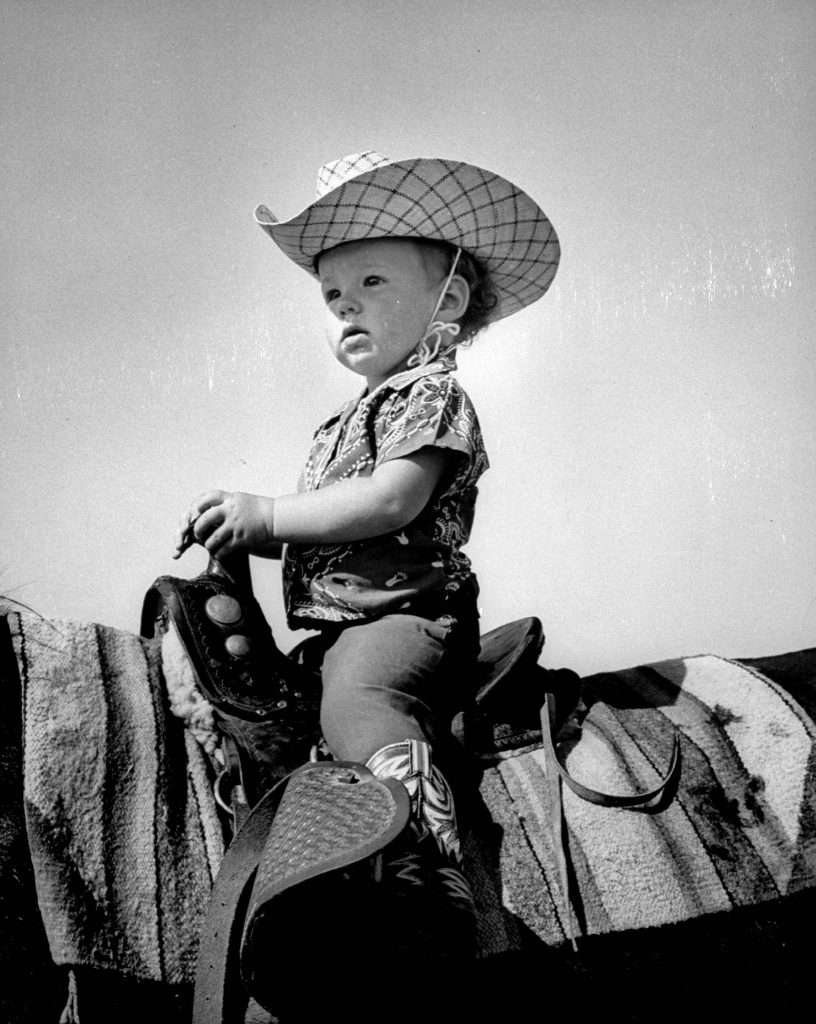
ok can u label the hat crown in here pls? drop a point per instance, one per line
(366, 195)
(337, 172)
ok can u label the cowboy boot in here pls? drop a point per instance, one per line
(422, 870)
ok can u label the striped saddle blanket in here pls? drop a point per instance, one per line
(740, 830)
(126, 841)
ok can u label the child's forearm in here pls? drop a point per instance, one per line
(349, 510)
(360, 507)
(345, 511)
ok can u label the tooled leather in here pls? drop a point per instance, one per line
(253, 687)
(322, 817)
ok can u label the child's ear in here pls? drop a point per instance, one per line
(455, 301)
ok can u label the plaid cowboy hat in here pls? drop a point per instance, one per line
(366, 195)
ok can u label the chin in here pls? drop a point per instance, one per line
(358, 367)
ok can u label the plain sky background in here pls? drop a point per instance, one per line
(650, 421)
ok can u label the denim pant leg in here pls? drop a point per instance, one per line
(389, 680)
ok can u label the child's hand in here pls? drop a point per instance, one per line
(226, 521)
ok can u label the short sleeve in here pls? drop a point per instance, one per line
(434, 411)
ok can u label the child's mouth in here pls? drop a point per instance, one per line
(353, 334)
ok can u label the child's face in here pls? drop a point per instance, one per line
(379, 297)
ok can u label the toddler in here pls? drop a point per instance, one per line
(413, 258)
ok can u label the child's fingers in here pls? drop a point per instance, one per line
(185, 536)
(209, 499)
(217, 543)
(182, 541)
(205, 525)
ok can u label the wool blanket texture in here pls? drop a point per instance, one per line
(740, 830)
(122, 826)
(126, 841)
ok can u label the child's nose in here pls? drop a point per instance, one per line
(349, 303)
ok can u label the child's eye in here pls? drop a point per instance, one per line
(331, 295)
(372, 279)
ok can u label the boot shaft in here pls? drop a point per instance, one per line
(432, 805)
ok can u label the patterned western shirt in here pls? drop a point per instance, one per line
(396, 571)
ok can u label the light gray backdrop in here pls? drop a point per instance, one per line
(650, 422)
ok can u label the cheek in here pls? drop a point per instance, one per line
(332, 327)
(397, 317)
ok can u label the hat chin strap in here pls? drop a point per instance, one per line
(427, 350)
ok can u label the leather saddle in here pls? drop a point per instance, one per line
(266, 707)
(264, 699)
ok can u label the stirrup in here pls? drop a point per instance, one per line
(322, 857)
(312, 843)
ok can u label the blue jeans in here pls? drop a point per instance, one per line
(395, 678)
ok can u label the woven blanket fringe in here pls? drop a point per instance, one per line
(70, 1015)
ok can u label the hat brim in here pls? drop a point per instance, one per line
(455, 202)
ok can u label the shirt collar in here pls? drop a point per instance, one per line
(405, 378)
(442, 364)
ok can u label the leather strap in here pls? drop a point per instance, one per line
(556, 773)
(220, 996)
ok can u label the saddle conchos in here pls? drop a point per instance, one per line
(307, 833)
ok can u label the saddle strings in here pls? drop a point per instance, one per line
(426, 353)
